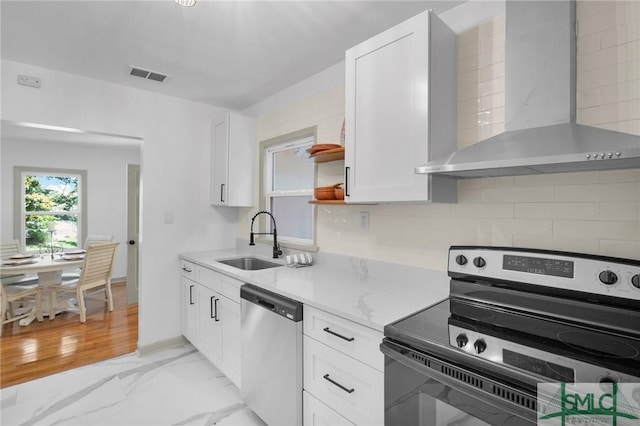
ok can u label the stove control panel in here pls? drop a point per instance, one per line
(589, 274)
(547, 365)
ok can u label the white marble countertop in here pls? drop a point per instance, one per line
(368, 292)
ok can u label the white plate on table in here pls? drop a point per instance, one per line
(21, 256)
(72, 256)
(69, 253)
(17, 262)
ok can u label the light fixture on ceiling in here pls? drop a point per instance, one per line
(186, 3)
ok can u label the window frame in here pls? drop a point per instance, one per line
(302, 137)
(19, 172)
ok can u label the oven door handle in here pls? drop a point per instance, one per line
(474, 385)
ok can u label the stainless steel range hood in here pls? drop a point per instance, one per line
(540, 101)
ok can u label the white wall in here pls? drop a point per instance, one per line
(589, 212)
(107, 184)
(174, 166)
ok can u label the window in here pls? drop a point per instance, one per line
(47, 199)
(287, 187)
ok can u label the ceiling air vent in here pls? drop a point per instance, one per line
(149, 75)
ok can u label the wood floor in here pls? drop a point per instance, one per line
(49, 347)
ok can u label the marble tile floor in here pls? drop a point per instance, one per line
(176, 386)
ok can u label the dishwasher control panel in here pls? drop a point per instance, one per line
(278, 304)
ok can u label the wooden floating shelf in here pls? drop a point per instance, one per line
(327, 202)
(328, 155)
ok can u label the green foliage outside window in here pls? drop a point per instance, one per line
(40, 200)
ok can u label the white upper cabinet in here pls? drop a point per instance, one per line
(400, 112)
(232, 161)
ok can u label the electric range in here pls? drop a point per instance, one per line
(514, 318)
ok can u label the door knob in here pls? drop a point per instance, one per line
(132, 242)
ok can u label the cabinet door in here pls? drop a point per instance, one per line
(387, 100)
(395, 84)
(229, 313)
(210, 325)
(189, 310)
(220, 163)
(318, 414)
(233, 148)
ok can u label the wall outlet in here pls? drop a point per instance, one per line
(364, 220)
(26, 80)
(168, 217)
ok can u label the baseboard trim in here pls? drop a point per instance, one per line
(118, 280)
(163, 344)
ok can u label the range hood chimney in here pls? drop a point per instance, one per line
(541, 135)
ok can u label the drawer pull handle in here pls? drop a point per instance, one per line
(186, 269)
(348, 339)
(330, 380)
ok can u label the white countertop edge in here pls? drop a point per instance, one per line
(354, 294)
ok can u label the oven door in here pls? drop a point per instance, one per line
(423, 390)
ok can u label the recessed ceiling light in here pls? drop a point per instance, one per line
(186, 3)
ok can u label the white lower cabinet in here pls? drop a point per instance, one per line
(337, 374)
(189, 310)
(211, 319)
(315, 413)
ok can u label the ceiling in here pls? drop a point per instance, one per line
(231, 54)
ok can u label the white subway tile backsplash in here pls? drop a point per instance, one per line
(624, 175)
(623, 249)
(529, 194)
(598, 22)
(589, 43)
(482, 210)
(625, 191)
(491, 182)
(624, 91)
(571, 211)
(587, 9)
(557, 179)
(620, 211)
(620, 34)
(629, 126)
(584, 244)
(481, 238)
(614, 230)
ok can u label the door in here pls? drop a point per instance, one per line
(133, 231)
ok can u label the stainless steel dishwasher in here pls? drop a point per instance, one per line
(271, 372)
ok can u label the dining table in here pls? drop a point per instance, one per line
(49, 270)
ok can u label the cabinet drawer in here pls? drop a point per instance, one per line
(208, 278)
(230, 287)
(355, 340)
(187, 269)
(355, 390)
(315, 413)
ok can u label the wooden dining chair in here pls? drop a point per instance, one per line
(8, 249)
(96, 272)
(91, 239)
(18, 293)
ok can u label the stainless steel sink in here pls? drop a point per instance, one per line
(249, 263)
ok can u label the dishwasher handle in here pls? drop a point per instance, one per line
(266, 304)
